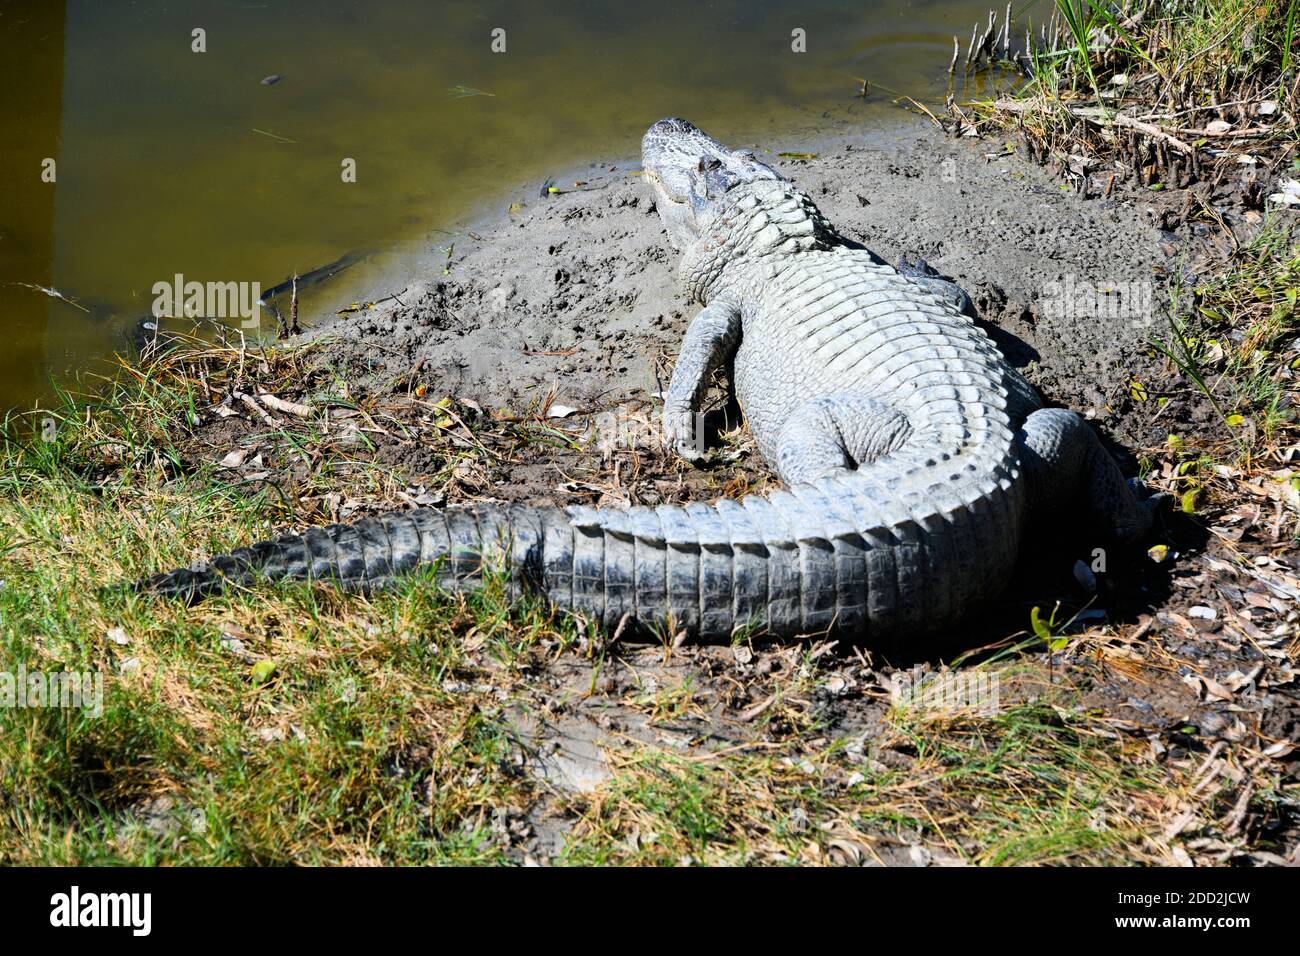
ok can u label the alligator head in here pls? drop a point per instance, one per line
(690, 172)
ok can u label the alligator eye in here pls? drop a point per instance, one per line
(709, 164)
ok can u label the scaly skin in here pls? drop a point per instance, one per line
(912, 452)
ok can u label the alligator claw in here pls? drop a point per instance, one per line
(680, 433)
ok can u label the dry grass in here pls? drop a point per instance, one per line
(301, 725)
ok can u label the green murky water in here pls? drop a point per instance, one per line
(168, 160)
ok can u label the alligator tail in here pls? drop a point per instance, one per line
(823, 557)
(368, 554)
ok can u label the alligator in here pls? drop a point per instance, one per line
(912, 454)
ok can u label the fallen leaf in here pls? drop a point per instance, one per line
(1206, 688)
(262, 671)
(1288, 193)
(1237, 680)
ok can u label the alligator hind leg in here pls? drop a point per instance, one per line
(837, 433)
(1064, 464)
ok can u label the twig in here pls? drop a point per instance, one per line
(1101, 116)
(261, 412)
(53, 293)
(288, 408)
(274, 136)
(922, 108)
(981, 48)
(990, 36)
(293, 309)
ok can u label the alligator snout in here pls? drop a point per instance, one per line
(670, 125)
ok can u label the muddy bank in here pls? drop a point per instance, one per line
(575, 292)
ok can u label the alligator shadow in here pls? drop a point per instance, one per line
(1017, 351)
(1126, 585)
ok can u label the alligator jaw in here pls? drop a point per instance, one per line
(689, 171)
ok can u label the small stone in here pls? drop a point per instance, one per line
(1083, 574)
(233, 644)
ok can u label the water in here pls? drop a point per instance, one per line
(170, 161)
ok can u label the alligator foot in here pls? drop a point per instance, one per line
(837, 433)
(1155, 503)
(1066, 464)
(926, 275)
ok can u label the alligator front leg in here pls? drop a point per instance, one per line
(710, 340)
